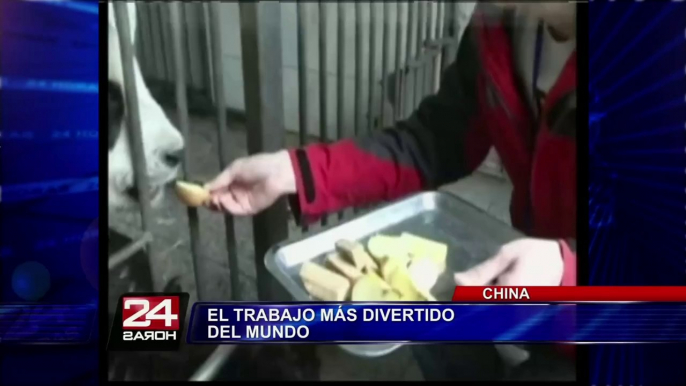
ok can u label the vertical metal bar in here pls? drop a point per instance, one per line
(182, 111)
(440, 28)
(224, 156)
(163, 27)
(188, 9)
(407, 98)
(340, 73)
(141, 44)
(372, 65)
(359, 80)
(263, 74)
(419, 55)
(135, 134)
(156, 39)
(399, 73)
(206, 48)
(430, 53)
(448, 28)
(302, 76)
(302, 71)
(358, 67)
(323, 89)
(454, 28)
(384, 60)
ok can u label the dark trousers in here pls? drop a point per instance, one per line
(460, 362)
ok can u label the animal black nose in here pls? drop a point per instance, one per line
(173, 159)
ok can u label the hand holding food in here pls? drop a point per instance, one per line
(192, 195)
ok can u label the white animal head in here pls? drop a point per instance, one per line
(162, 143)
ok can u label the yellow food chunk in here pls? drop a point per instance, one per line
(323, 284)
(371, 288)
(424, 273)
(421, 247)
(357, 255)
(192, 194)
(400, 280)
(391, 264)
(343, 267)
(382, 246)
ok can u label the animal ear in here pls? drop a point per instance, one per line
(133, 21)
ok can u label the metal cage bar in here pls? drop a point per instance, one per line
(224, 156)
(407, 81)
(323, 89)
(182, 112)
(262, 70)
(119, 257)
(439, 34)
(135, 134)
(386, 25)
(372, 65)
(419, 48)
(302, 77)
(359, 80)
(340, 84)
(430, 50)
(358, 102)
(399, 73)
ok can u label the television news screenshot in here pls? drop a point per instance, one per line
(419, 191)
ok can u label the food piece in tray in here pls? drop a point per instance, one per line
(371, 288)
(382, 246)
(399, 279)
(192, 194)
(357, 255)
(392, 263)
(424, 273)
(422, 247)
(413, 282)
(323, 284)
(335, 261)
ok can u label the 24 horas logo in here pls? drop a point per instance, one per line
(148, 322)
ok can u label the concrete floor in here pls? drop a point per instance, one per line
(172, 238)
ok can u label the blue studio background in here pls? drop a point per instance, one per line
(637, 55)
(49, 170)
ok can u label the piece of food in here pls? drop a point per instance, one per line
(335, 261)
(323, 284)
(400, 280)
(424, 273)
(421, 247)
(192, 194)
(371, 288)
(357, 255)
(391, 264)
(382, 246)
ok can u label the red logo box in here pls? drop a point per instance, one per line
(150, 313)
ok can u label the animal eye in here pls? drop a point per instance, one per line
(115, 113)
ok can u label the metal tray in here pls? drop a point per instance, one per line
(471, 234)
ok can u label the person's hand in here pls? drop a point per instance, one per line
(251, 184)
(523, 262)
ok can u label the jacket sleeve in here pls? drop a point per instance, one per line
(568, 249)
(439, 143)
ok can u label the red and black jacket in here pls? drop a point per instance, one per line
(481, 103)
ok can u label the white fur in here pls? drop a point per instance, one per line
(160, 137)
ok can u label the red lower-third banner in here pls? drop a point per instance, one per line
(569, 294)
